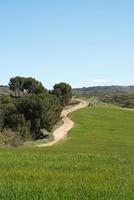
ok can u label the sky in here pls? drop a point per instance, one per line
(81, 42)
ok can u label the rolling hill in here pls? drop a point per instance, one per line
(4, 90)
(104, 89)
(95, 162)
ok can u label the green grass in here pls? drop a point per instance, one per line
(102, 129)
(95, 162)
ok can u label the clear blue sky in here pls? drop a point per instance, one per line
(82, 42)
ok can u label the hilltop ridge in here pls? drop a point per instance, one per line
(105, 89)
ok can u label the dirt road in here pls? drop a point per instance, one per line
(61, 132)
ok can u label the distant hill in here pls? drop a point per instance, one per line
(87, 90)
(104, 90)
(4, 90)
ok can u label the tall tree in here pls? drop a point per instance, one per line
(16, 85)
(64, 92)
(28, 85)
(42, 111)
(31, 85)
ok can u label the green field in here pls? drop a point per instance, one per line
(95, 162)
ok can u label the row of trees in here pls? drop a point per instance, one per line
(32, 108)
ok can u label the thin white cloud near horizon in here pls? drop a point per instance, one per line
(100, 81)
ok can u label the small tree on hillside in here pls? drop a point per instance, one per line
(64, 92)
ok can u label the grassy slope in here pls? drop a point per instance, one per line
(96, 162)
(102, 130)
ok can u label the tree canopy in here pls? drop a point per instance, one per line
(42, 111)
(29, 85)
(64, 92)
(34, 110)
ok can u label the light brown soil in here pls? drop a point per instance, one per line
(61, 132)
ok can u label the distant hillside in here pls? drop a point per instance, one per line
(87, 90)
(104, 90)
(4, 90)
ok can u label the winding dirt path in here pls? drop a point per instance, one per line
(61, 132)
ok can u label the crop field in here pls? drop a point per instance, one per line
(95, 162)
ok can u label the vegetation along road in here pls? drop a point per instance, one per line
(61, 132)
(96, 162)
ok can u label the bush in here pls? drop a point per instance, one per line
(42, 111)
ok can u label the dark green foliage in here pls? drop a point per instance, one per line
(64, 92)
(18, 123)
(28, 85)
(7, 108)
(42, 111)
(1, 120)
(6, 99)
(34, 111)
(16, 85)
(11, 119)
(31, 85)
(30, 114)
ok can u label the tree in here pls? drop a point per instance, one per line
(64, 92)
(31, 85)
(1, 119)
(42, 111)
(28, 85)
(8, 107)
(16, 85)
(33, 114)
(10, 118)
